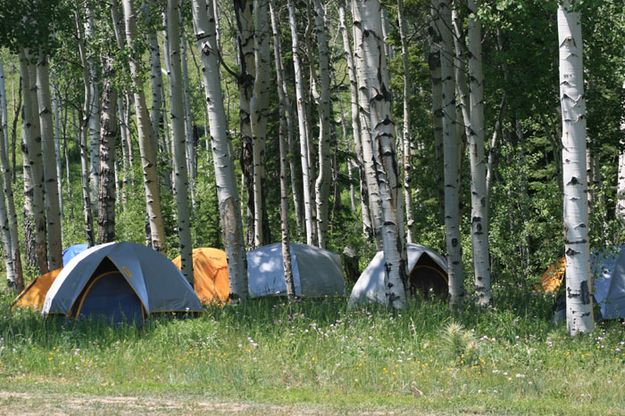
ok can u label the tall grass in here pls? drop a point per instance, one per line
(317, 352)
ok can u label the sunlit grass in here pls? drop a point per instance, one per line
(317, 352)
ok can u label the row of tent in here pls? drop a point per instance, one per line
(128, 282)
(607, 266)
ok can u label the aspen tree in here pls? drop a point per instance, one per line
(51, 196)
(377, 131)
(146, 136)
(284, 128)
(227, 193)
(302, 119)
(451, 155)
(181, 181)
(579, 313)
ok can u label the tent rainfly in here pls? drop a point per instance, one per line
(35, 293)
(210, 275)
(72, 251)
(427, 273)
(608, 270)
(316, 272)
(120, 282)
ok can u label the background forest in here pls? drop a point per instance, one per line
(356, 126)
(90, 60)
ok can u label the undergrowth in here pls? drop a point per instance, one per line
(509, 360)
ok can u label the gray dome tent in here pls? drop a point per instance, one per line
(427, 271)
(608, 269)
(316, 272)
(120, 282)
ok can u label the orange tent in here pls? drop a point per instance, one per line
(553, 277)
(210, 275)
(35, 293)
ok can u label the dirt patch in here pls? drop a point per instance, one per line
(53, 404)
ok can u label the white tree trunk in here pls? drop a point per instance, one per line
(322, 185)
(579, 313)
(4, 116)
(406, 145)
(108, 139)
(245, 42)
(33, 164)
(302, 119)
(434, 63)
(14, 276)
(284, 122)
(355, 119)
(620, 189)
(51, 201)
(181, 183)
(450, 155)
(227, 194)
(94, 108)
(147, 146)
(156, 88)
(57, 149)
(478, 162)
(191, 151)
(377, 131)
(84, 131)
(373, 191)
(5, 234)
(259, 108)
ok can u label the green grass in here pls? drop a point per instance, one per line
(316, 353)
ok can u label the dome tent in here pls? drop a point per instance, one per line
(316, 272)
(119, 282)
(210, 274)
(427, 271)
(34, 294)
(72, 251)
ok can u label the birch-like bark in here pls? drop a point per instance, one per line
(284, 128)
(191, 145)
(94, 108)
(434, 63)
(283, 95)
(51, 196)
(84, 131)
(377, 131)
(5, 234)
(16, 115)
(373, 191)
(355, 121)
(4, 113)
(34, 206)
(227, 194)
(259, 108)
(108, 139)
(324, 108)
(5, 229)
(147, 146)
(57, 150)
(478, 161)
(181, 182)
(450, 155)
(620, 187)
(579, 313)
(124, 104)
(156, 87)
(247, 74)
(14, 273)
(302, 119)
(406, 145)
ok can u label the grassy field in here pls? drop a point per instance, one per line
(316, 355)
